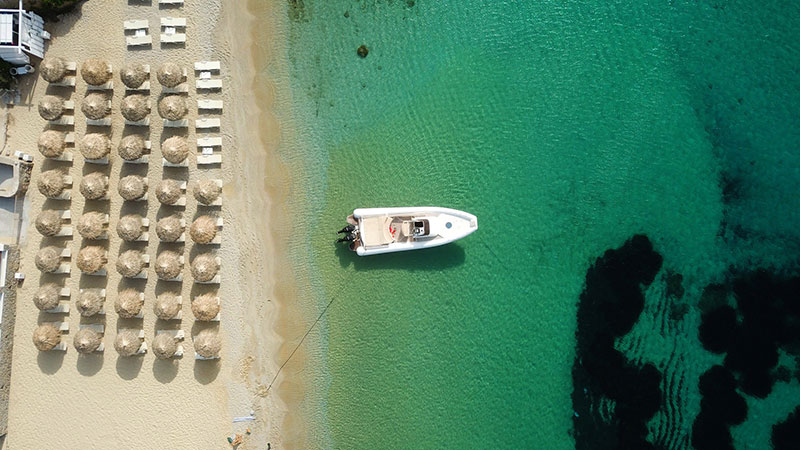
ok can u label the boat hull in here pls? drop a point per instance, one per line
(446, 225)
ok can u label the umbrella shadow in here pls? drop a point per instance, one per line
(128, 368)
(437, 258)
(165, 370)
(89, 365)
(50, 362)
(206, 371)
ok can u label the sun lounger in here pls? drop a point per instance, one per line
(140, 123)
(203, 358)
(102, 87)
(66, 194)
(103, 161)
(179, 89)
(173, 22)
(65, 231)
(136, 24)
(65, 82)
(63, 121)
(208, 84)
(99, 122)
(207, 66)
(183, 123)
(209, 104)
(138, 41)
(207, 160)
(170, 2)
(64, 292)
(205, 123)
(65, 157)
(209, 141)
(182, 164)
(169, 36)
(62, 308)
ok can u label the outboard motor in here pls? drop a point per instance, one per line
(347, 229)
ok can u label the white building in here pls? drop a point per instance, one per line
(21, 34)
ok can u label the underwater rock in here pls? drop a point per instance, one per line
(362, 51)
(786, 435)
(718, 329)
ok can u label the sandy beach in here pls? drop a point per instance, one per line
(67, 400)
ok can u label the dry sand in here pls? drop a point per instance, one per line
(61, 400)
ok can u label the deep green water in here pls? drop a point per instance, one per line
(566, 127)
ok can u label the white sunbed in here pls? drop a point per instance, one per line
(182, 164)
(99, 122)
(211, 66)
(209, 141)
(209, 104)
(64, 121)
(137, 41)
(62, 308)
(170, 2)
(183, 123)
(65, 157)
(102, 87)
(207, 160)
(182, 88)
(173, 22)
(139, 123)
(208, 84)
(136, 24)
(173, 38)
(65, 82)
(208, 122)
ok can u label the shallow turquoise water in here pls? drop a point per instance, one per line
(566, 128)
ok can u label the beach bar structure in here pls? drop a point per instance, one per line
(21, 35)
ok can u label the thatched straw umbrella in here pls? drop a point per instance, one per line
(135, 107)
(203, 229)
(94, 186)
(170, 74)
(164, 346)
(90, 302)
(53, 69)
(130, 263)
(204, 267)
(175, 149)
(127, 343)
(166, 306)
(51, 107)
(92, 259)
(132, 147)
(96, 71)
(207, 344)
(95, 146)
(129, 227)
(46, 336)
(172, 107)
(206, 191)
(168, 265)
(87, 340)
(205, 307)
(133, 75)
(132, 187)
(48, 259)
(51, 183)
(95, 106)
(92, 225)
(128, 304)
(48, 222)
(168, 192)
(47, 297)
(169, 228)
(52, 143)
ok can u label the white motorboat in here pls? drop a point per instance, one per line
(372, 231)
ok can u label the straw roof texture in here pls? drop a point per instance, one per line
(94, 186)
(175, 149)
(128, 304)
(95, 106)
(53, 69)
(51, 183)
(135, 107)
(169, 228)
(48, 259)
(133, 75)
(92, 225)
(92, 259)
(170, 74)
(164, 346)
(90, 302)
(52, 143)
(48, 222)
(47, 296)
(127, 343)
(207, 343)
(130, 227)
(132, 187)
(204, 267)
(206, 191)
(96, 71)
(51, 107)
(166, 306)
(168, 265)
(172, 107)
(168, 192)
(130, 263)
(203, 229)
(46, 337)
(205, 307)
(95, 146)
(87, 340)
(132, 147)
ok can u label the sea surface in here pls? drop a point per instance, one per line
(566, 128)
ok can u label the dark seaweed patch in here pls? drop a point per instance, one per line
(786, 435)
